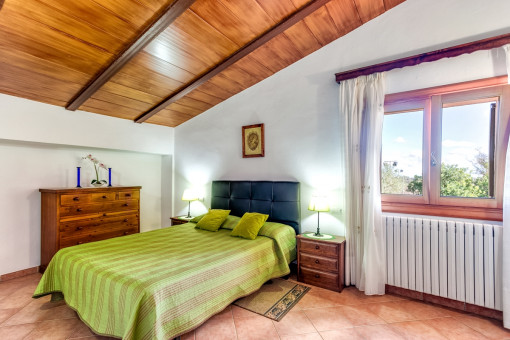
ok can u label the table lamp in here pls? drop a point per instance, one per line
(318, 203)
(189, 195)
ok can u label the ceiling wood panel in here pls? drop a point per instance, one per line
(369, 9)
(50, 50)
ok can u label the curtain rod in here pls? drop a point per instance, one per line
(485, 44)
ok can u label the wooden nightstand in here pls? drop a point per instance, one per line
(321, 262)
(179, 220)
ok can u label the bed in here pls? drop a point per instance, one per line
(164, 283)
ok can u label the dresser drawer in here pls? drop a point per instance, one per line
(96, 235)
(74, 199)
(102, 197)
(128, 195)
(84, 209)
(319, 248)
(319, 278)
(318, 262)
(84, 226)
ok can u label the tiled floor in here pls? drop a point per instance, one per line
(321, 314)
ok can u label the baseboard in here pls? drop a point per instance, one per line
(438, 300)
(19, 273)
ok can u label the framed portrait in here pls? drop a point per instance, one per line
(253, 141)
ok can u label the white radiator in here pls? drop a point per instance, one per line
(456, 260)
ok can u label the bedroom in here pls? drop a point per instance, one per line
(41, 143)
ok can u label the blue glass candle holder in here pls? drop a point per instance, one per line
(78, 177)
(109, 177)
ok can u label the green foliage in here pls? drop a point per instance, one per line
(392, 181)
(415, 187)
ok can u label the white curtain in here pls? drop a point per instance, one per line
(361, 117)
(506, 224)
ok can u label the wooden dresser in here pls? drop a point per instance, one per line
(321, 262)
(72, 216)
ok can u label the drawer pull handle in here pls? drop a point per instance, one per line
(125, 220)
(126, 232)
(79, 209)
(128, 195)
(317, 247)
(79, 228)
(317, 276)
(104, 214)
(105, 196)
(317, 261)
(125, 205)
(79, 242)
(76, 198)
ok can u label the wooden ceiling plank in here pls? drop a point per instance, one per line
(109, 109)
(344, 15)
(120, 100)
(369, 9)
(131, 11)
(251, 13)
(147, 80)
(202, 96)
(302, 38)
(27, 95)
(185, 109)
(322, 26)
(240, 76)
(151, 32)
(252, 46)
(130, 92)
(277, 10)
(389, 4)
(213, 90)
(254, 67)
(161, 66)
(196, 104)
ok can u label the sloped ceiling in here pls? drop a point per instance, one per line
(52, 51)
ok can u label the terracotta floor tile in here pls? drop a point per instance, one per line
(327, 319)
(294, 323)
(188, 336)
(7, 313)
(454, 329)
(425, 311)
(239, 312)
(344, 334)
(492, 329)
(378, 332)
(390, 311)
(16, 332)
(219, 327)
(59, 329)
(42, 309)
(361, 315)
(316, 297)
(308, 336)
(93, 337)
(417, 330)
(254, 328)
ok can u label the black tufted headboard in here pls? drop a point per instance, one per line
(279, 200)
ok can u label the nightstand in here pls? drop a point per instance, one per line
(321, 262)
(180, 220)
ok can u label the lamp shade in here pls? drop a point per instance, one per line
(318, 203)
(189, 195)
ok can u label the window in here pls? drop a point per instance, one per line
(443, 151)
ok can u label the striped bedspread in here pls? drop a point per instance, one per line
(163, 283)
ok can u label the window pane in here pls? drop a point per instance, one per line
(401, 168)
(466, 156)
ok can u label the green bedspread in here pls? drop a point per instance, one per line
(163, 283)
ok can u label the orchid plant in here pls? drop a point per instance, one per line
(97, 165)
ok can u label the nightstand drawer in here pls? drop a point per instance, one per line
(319, 248)
(319, 278)
(318, 262)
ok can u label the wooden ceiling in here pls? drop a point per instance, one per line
(98, 56)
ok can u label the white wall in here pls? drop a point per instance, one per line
(40, 147)
(299, 105)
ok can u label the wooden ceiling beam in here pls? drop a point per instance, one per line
(449, 52)
(168, 15)
(290, 21)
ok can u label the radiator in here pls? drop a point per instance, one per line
(456, 260)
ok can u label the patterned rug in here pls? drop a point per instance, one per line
(274, 299)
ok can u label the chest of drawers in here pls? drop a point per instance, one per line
(75, 216)
(321, 262)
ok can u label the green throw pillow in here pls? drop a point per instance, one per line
(249, 225)
(230, 222)
(212, 220)
(196, 219)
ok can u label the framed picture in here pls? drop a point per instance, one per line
(253, 141)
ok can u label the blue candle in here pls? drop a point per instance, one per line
(78, 177)
(109, 177)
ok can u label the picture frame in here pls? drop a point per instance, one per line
(253, 140)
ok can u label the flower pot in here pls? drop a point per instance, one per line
(97, 185)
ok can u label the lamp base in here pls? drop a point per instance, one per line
(320, 236)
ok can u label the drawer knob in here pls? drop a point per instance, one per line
(125, 205)
(317, 247)
(79, 209)
(128, 195)
(104, 214)
(79, 228)
(76, 198)
(317, 276)
(79, 242)
(105, 196)
(317, 261)
(125, 220)
(126, 232)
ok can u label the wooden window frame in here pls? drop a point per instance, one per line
(431, 101)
